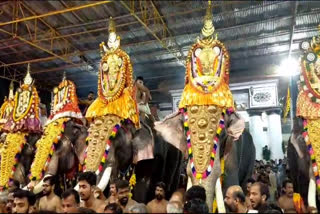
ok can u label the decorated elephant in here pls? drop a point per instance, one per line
(308, 106)
(206, 109)
(60, 150)
(119, 145)
(23, 128)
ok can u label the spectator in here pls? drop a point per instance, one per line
(123, 191)
(87, 182)
(196, 192)
(113, 208)
(113, 193)
(177, 197)
(291, 201)
(259, 194)
(159, 204)
(87, 102)
(23, 200)
(235, 200)
(70, 201)
(138, 208)
(49, 201)
(10, 200)
(249, 184)
(195, 206)
(85, 210)
(3, 202)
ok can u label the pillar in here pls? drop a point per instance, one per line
(259, 136)
(275, 133)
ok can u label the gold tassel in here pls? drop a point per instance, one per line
(287, 106)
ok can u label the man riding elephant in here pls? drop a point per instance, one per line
(63, 140)
(206, 111)
(23, 127)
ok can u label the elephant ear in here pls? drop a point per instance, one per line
(171, 130)
(143, 144)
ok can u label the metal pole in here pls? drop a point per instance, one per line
(289, 56)
(55, 12)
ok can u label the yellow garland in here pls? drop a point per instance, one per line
(11, 147)
(51, 135)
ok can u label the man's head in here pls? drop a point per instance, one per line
(70, 201)
(249, 184)
(139, 80)
(123, 192)
(177, 196)
(195, 206)
(91, 95)
(113, 208)
(268, 168)
(259, 194)
(10, 201)
(113, 188)
(138, 208)
(287, 187)
(23, 200)
(14, 184)
(48, 185)
(196, 192)
(160, 191)
(234, 198)
(87, 182)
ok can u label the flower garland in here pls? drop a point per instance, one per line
(106, 152)
(10, 157)
(311, 153)
(46, 147)
(215, 141)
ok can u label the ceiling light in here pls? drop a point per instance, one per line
(288, 67)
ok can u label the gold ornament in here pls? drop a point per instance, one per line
(208, 28)
(203, 124)
(99, 132)
(12, 146)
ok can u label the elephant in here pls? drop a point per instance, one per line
(239, 164)
(126, 150)
(299, 162)
(171, 129)
(25, 160)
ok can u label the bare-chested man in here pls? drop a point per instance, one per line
(113, 198)
(87, 184)
(291, 202)
(143, 96)
(49, 201)
(123, 191)
(159, 204)
(70, 201)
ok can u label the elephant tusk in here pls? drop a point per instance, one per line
(219, 197)
(312, 193)
(76, 188)
(105, 179)
(189, 184)
(38, 188)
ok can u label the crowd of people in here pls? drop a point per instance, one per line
(268, 191)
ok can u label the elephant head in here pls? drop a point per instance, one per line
(69, 152)
(172, 130)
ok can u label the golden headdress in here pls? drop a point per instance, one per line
(115, 82)
(308, 102)
(207, 72)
